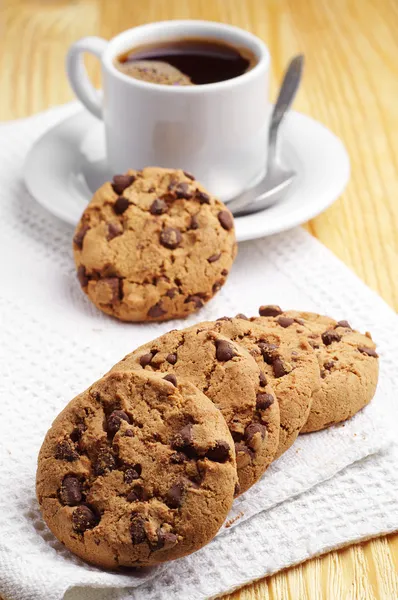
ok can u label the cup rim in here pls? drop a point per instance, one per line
(261, 51)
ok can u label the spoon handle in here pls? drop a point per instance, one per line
(287, 93)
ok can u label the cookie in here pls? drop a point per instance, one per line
(289, 364)
(136, 471)
(154, 71)
(233, 381)
(153, 245)
(348, 363)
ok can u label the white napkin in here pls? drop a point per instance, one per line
(54, 344)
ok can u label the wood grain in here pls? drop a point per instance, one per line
(351, 85)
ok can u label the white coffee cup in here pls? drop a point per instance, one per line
(217, 131)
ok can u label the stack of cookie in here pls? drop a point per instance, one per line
(143, 466)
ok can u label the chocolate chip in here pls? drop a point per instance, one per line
(183, 437)
(183, 440)
(114, 283)
(224, 351)
(313, 344)
(197, 300)
(171, 358)
(171, 293)
(115, 420)
(138, 494)
(241, 316)
(251, 433)
(172, 184)
(104, 462)
(175, 495)
(158, 207)
(145, 359)
(263, 379)
(121, 182)
(226, 219)
(224, 272)
(202, 197)
(182, 190)
(285, 321)
(329, 365)
(71, 491)
(83, 518)
(328, 337)
(279, 368)
(79, 236)
(214, 257)
(219, 453)
(121, 205)
(82, 276)
(368, 351)
(171, 378)
(236, 489)
(170, 237)
(224, 319)
(196, 474)
(77, 433)
(264, 401)
(156, 311)
(217, 286)
(177, 458)
(132, 473)
(65, 450)
(191, 177)
(166, 539)
(194, 224)
(137, 529)
(114, 229)
(254, 428)
(195, 480)
(343, 324)
(129, 433)
(270, 310)
(268, 352)
(243, 455)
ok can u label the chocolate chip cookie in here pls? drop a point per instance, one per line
(154, 72)
(289, 364)
(231, 378)
(153, 245)
(137, 470)
(347, 359)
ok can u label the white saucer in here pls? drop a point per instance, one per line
(67, 164)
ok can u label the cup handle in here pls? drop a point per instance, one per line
(77, 74)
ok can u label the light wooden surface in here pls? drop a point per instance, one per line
(351, 85)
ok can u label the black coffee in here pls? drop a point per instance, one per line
(200, 61)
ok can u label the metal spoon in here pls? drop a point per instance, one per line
(277, 179)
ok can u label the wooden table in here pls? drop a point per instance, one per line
(351, 85)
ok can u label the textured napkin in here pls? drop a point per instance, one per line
(54, 344)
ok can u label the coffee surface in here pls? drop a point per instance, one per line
(190, 62)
